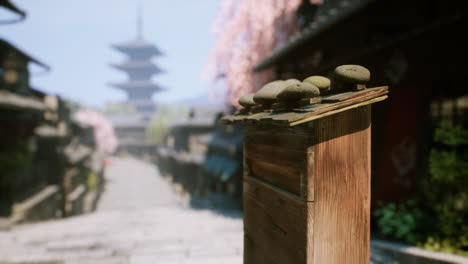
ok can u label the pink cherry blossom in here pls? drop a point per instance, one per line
(248, 31)
(104, 133)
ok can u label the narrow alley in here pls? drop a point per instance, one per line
(138, 220)
(233, 132)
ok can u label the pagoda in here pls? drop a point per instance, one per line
(140, 69)
(131, 126)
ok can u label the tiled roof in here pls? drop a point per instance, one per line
(137, 65)
(138, 44)
(5, 45)
(138, 85)
(10, 6)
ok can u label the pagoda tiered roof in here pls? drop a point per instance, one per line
(137, 48)
(139, 87)
(138, 84)
(138, 66)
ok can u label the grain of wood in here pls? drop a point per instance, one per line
(352, 106)
(342, 188)
(320, 166)
(275, 223)
(308, 177)
(336, 103)
(274, 163)
(330, 105)
(288, 139)
(275, 155)
(287, 178)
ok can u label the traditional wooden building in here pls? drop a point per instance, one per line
(7, 4)
(203, 159)
(417, 47)
(222, 163)
(25, 192)
(183, 151)
(44, 153)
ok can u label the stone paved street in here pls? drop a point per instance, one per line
(138, 220)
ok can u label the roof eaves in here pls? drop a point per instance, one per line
(13, 8)
(24, 54)
(313, 30)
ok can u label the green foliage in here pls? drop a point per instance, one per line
(446, 188)
(446, 166)
(92, 180)
(451, 135)
(438, 218)
(400, 221)
(15, 155)
(162, 120)
(447, 245)
(449, 162)
(119, 109)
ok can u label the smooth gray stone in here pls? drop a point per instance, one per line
(292, 81)
(247, 100)
(267, 94)
(297, 92)
(321, 82)
(352, 74)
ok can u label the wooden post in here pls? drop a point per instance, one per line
(307, 182)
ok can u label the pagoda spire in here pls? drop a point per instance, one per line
(139, 24)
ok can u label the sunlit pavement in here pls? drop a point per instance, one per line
(138, 220)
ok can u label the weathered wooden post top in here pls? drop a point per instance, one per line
(307, 169)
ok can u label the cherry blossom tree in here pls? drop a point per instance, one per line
(104, 133)
(248, 31)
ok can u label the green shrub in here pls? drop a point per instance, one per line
(163, 119)
(400, 221)
(437, 219)
(92, 180)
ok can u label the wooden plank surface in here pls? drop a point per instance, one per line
(281, 156)
(253, 253)
(275, 225)
(307, 187)
(342, 188)
(287, 178)
(324, 110)
(333, 112)
(288, 139)
(282, 167)
(308, 178)
(333, 98)
(336, 103)
(275, 155)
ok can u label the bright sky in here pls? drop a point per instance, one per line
(74, 38)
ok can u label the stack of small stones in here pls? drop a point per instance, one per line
(286, 94)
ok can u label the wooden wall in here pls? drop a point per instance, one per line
(307, 191)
